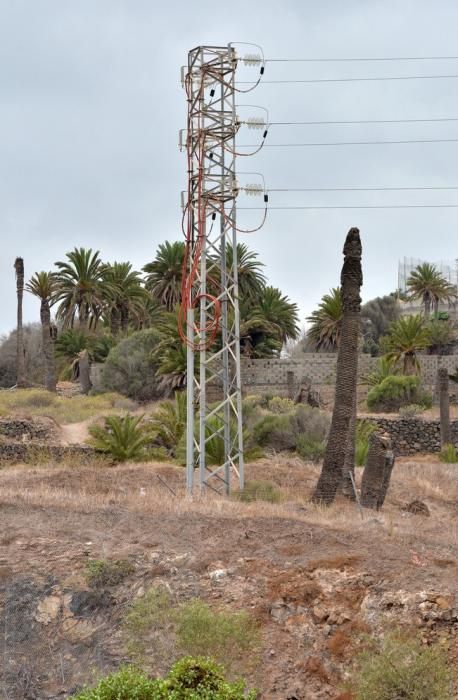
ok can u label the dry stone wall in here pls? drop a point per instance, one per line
(414, 435)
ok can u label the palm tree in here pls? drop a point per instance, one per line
(125, 295)
(338, 443)
(80, 288)
(268, 324)
(251, 280)
(170, 355)
(426, 283)
(21, 379)
(43, 286)
(326, 323)
(164, 274)
(406, 337)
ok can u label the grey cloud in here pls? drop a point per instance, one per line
(90, 108)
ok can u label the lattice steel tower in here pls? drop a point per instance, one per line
(209, 315)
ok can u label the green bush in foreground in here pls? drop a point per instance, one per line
(402, 668)
(189, 679)
(449, 454)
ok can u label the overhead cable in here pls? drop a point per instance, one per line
(354, 80)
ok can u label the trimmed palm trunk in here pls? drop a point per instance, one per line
(346, 376)
(377, 472)
(21, 378)
(48, 345)
(350, 456)
(427, 303)
(115, 321)
(444, 405)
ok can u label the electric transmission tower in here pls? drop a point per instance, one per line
(209, 320)
(209, 316)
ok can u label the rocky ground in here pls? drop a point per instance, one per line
(316, 580)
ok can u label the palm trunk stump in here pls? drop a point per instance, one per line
(346, 375)
(444, 405)
(377, 472)
(21, 376)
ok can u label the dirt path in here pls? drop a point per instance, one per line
(76, 433)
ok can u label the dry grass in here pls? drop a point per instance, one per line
(136, 489)
(75, 409)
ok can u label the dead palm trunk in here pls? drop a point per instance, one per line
(48, 345)
(21, 379)
(444, 405)
(351, 281)
(377, 472)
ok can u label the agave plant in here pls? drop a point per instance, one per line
(124, 438)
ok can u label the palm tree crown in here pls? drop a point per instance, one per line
(43, 285)
(125, 294)
(407, 336)
(164, 274)
(427, 283)
(326, 323)
(80, 289)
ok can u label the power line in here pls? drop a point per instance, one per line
(358, 189)
(352, 80)
(345, 143)
(365, 121)
(356, 206)
(357, 59)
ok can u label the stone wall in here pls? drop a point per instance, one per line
(279, 377)
(23, 453)
(414, 435)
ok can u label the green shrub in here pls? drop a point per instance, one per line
(231, 638)
(122, 437)
(202, 678)
(275, 431)
(258, 490)
(281, 432)
(129, 368)
(396, 391)
(155, 631)
(189, 679)
(364, 428)
(280, 405)
(449, 454)
(402, 668)
(309, 449)
(101, 573)
(126, 684)
(147, 627)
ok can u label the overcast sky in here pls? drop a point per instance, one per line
(91, 105)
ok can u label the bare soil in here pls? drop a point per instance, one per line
(316, 579)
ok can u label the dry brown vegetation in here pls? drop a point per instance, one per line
(298, 567)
